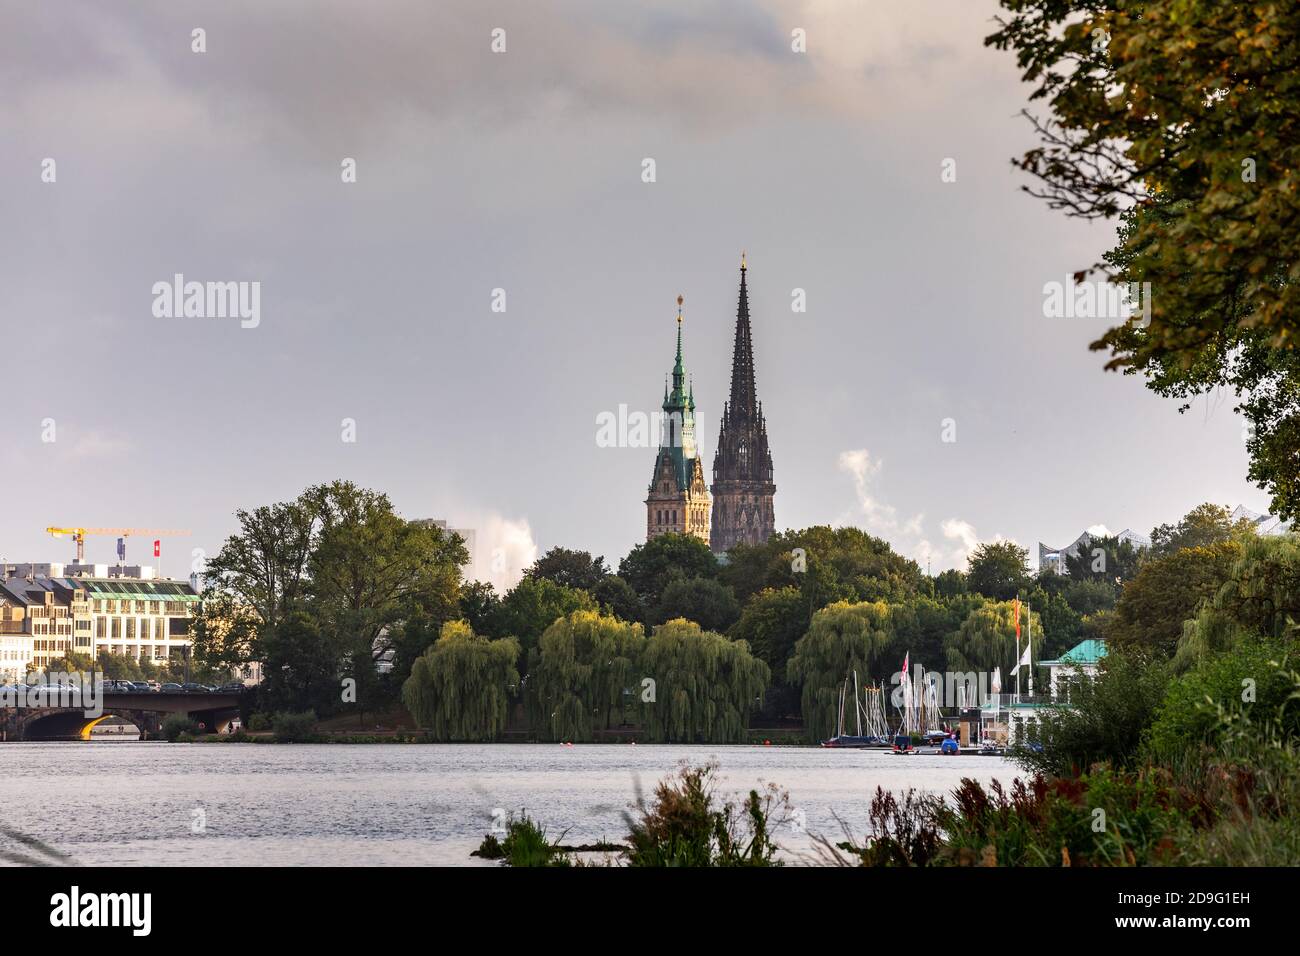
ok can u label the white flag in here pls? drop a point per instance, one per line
(997, 680)
(1023, 662)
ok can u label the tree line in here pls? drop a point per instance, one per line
(347, 607)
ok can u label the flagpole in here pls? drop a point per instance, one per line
(1017, 650)
(1029, 649)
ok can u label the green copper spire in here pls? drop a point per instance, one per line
(678, 435)
(677, 399)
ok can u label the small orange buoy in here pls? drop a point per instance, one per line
(767, 743)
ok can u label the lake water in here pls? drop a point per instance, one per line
(120, 803)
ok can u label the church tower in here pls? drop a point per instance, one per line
(742, 468)
(679, 498)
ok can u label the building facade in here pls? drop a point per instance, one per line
(743, 488)
(678, 498)
(45, 618)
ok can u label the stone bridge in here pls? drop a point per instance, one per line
(213, 712)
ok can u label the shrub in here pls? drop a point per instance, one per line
(1249, 679)
(292, 728)
(259, 722)
(684, 828)
(1099, 819)
(178, 724)
(1104, 719)
(525, 844)
(902, 834)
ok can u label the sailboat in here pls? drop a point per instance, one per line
(873, 710)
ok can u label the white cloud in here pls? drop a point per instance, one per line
(963, 532)
(907, 536)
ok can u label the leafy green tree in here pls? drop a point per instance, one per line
(650, 566)
(1261, 597)
(841, 639)
(370, 570)
(922, 627)
(533, 605)
(1236, 356)
(76, 662)
(702, 600)
(987, 640)
(264, 566)
(1089, 597)
(1104, 718)
(1185, 109)
(480, 606)
(828, 564)
(950, 583)
(771, 622)
(460, 688)
(571, 569)
(705, 686)
(1130, 121)
(586, 674)
(302, 666)
(118, 666)
(1104, 558)
(1203, 526)
(1062, 624)
(1189, 716)
(998, 570)
(617, 597)
(336, 567)
(1168, 591)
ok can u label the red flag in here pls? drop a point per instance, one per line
(1017, 620)
(157, 552)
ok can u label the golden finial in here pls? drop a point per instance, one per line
(680, 300)
(742, 258)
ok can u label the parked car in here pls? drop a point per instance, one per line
(170, 688)
(234, 687)
(141, 687)
(193, 688)
(153, 685)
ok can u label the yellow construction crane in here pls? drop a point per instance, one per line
(79, 536)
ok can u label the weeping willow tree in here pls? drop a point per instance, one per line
(587, 669)
(987, 639)
(1261, 597)
(704, 685)
(460, 688)
(842, 638)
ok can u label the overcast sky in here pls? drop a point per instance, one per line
(522, 171)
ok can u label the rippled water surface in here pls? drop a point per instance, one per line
(119, 803)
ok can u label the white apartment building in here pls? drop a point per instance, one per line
(144, 619)
(44, 618)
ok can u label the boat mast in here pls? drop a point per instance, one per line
(857, 704)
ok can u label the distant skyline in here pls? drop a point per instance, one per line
(522, 171)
